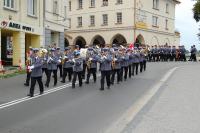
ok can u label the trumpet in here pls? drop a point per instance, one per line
(29, 62)
(113, 62)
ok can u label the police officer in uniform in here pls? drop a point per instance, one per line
(137, 61)
(77, 68)
(36, 73)
(59, 56)
(52, 61)
(105, 61)
(116, 66)
(124, 64)
(91, 60)
(67, 65)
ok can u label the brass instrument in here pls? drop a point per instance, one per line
(28, 62)
(113, 61)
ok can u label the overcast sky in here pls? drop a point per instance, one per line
(186, 24)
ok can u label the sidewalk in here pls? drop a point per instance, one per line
(175, 108)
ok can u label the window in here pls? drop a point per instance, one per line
(155, 21)
(105, 19)
(119, 18)
(92, 20)
(155, 4)
(79, 21)
(92, 3)
(119, 2)
(70, 23)
(105, 3)
(9, 4)
(80, 4)
(70, 5)
(65, 7)
(167, 8)
(55, 7)
(31, 7)
(166, 24)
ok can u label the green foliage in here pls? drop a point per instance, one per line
(196, 11)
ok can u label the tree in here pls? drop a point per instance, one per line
(196, 11)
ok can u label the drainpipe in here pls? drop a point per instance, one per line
(135, 20)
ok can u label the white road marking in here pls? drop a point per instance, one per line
(129, 115)
(17, 101)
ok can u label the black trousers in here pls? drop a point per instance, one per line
(49, 77)
(193, 57)
(144, 65)
(135, 68)
(84, 70)
(69, 72)
(75, 74)
(113, 75)
(141, 66)
(33, 82)
(183, 58)
(124, 72)
(105, 74)
(28, 77)
(44, 70)
(130, 70)
(92, 71)
(60, 68)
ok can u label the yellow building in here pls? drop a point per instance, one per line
(21, 26)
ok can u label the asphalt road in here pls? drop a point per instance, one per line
(80, 110)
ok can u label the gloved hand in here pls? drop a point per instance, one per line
(32, 67)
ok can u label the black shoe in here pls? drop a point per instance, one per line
(101, 89)
(73, 86)
(80, 85)
(62, 81)
(46, 85)
(87, 82)
(30, 95)
(55, 85)
(25, 84)
(41, 93)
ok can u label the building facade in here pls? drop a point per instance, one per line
(30, 23)
(55, 22)
(21, 27)
(147, 22)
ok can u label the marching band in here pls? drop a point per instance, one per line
(117, 60)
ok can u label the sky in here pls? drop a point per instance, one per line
(186, 25)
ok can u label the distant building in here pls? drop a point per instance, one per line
(21, 26)
(30, 23)
(55, 22)
(147, 22)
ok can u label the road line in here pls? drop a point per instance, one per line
(2, 106)
(129, 115)
(17, 101)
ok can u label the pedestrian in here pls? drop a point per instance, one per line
(36, 73)
(77, 68)
(52, 62)
(91, 61)
(105, 61)
(67, 64)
